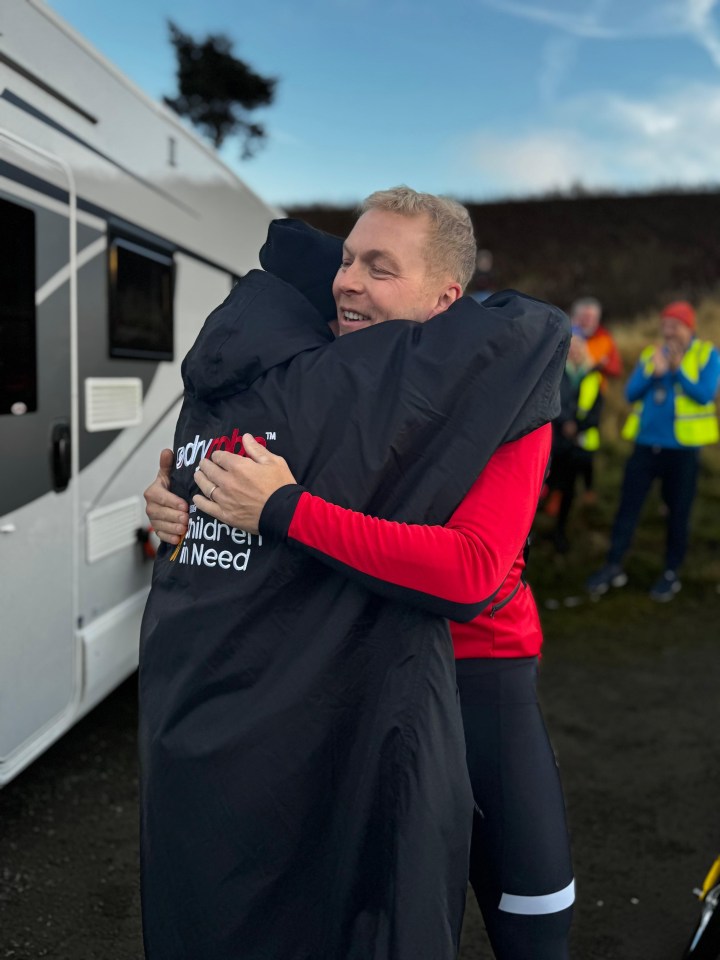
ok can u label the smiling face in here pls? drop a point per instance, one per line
(385, 274)
(675, 333)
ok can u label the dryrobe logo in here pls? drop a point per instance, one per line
(198, 449)
(210, 543)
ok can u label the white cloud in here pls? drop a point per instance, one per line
(703, 26)
(560, 53)
(673, 139)
(606, 141)
(558, 58)
(650, 120)
(533, 163)
(582, 24)
(614, 19)
(620, 19)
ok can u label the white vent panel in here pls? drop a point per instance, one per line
(112, 528)
(112, 403)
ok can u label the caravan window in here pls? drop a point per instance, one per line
(18, 335)
(141, 301)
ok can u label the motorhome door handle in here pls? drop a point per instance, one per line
(8, 528)
(60, 456)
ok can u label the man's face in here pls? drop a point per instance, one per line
(384, 273)
(587, 318)
(675, 333)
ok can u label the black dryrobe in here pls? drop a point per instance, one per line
(304, 794)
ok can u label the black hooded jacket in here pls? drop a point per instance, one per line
(304, 792)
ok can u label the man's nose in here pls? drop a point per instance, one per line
(350, 278)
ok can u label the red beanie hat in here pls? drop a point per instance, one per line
(680, 310)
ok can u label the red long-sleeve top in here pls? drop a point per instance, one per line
(469, 570)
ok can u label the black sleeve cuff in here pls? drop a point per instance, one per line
(279, 510)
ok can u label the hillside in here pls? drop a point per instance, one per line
(633, 252)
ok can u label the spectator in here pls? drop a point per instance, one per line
(575, 432)
(602, 357)
(585, 316)
(672, 389)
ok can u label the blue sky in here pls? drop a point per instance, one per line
(475, 98)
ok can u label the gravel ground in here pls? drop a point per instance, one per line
(634, 718)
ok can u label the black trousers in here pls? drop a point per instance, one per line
(677, 471)
(520, 866)
(567, 466)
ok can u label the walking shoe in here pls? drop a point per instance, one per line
(666, 587)
(611, 575)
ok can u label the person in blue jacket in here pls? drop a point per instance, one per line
(672, 390)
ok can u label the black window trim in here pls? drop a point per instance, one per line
(140, 244)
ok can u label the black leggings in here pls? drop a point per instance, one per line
(520, 867)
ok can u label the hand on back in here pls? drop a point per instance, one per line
(235, 489)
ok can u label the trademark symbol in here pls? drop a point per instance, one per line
(270, 435)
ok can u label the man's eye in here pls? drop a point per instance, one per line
(380, 270)
(346, 263)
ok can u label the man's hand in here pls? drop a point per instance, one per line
(660, 362)
(235, 489)
(675, 354)
(167, 513)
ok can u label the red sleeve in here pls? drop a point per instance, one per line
(453, 570)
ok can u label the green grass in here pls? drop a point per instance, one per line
(557, 577)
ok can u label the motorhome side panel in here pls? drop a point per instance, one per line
(162, 226)
(39, 668)
(81, 640)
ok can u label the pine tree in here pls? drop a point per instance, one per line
(217, 91)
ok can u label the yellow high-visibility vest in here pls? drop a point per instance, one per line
(589, 391)
(695, 424)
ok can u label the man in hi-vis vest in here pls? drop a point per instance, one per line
(576, 434)
(672, 390)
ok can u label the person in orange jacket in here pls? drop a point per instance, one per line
(585, 317)
(604, 357)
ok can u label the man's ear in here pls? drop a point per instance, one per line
(452, 292)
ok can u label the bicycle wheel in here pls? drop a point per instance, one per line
(705, 941)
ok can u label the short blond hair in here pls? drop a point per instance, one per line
(452, 248)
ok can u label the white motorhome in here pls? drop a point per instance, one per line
(119, 232)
